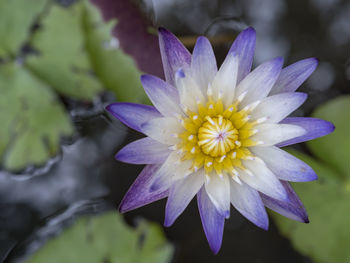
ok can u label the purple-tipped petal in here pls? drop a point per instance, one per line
(203, 63)
(244, 47)
(212, 221)
(293, 208)
(133, 115)
(144, 151)
(259, 82)
(218, 190)
(139, 193)
(163, 96)
(180, 195)
(164, 177)
(248, 202)
(314, 128)
(174, 54)
(284, 165)
(294, 75)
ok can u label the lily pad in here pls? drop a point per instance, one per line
(116, 70)
(326, 238)
(106, 238)
(62, 60)
(32, 119)
(16, 19)
(78, 57)
(334, 149)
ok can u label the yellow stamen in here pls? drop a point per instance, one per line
(216, 139)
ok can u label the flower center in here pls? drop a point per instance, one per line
(217, 139)
(217, 136)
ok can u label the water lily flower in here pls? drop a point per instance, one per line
(217, 134)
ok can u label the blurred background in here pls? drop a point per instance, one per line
(63, 61)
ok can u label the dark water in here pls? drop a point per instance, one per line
(85, 179)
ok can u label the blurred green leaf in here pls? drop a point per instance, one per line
(327, 237)
(32, 119)
(16, 18)
(62, 60)
(334, 149)
(78, 56)
(106, 238)
(116, 70)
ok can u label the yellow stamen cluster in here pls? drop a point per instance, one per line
(217, 138)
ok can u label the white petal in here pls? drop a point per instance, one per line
(259, 82)
(275, 108)
(163, 96)
(180, 195)
(189, 91)
(164, 174)
(263, 180)
(270, 134)
(175, 171)
(164, 130)
(284, 165)
(203, 63)
(218, 190)
(224, 83)
(248, 202)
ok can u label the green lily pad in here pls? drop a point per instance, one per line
(106, 238)
(62, 60)
(78, 56)
(326, 238)
(334, 149)
(16, 18)
(32, 119)
(116, 70)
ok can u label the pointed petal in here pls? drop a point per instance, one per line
(163, 175)
(218, 190)
(174, 54)
(133, 115)
(284, 165)
(144, 151)
(139, 193)
(259, 82)
(175, 171)
(189, 91)
(263, 180)
(314, 128)
(224, 83)
(244, 47)
(275, 108)
(181, 194)
(203, 63)
(212, 221)
(164, 130)
(248, 202)
(294, 75)
(271, 134)
(163, 96)
(293, 208)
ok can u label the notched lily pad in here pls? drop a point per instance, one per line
(116, 70)
(78, 56)
(32, 119)
(62, 60)
(106, 238)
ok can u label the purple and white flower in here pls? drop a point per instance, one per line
(217, 133)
